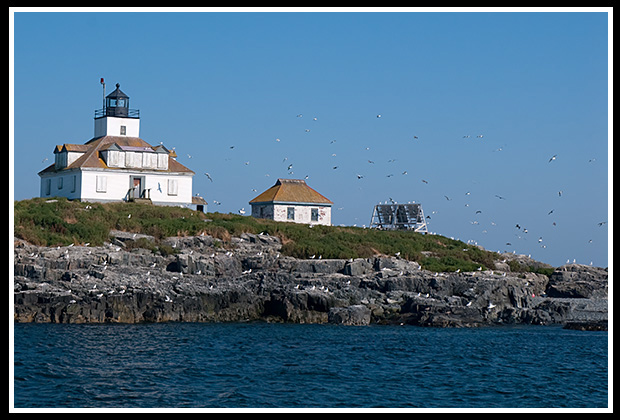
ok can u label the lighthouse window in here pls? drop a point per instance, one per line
(123, 130)
(121, 102)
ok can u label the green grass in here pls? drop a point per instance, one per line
(63, 222)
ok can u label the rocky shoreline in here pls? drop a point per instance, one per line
(248, 279)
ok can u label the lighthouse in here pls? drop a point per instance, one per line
(117, 165)
(116, 118)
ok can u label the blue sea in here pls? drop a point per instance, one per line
(262, 365)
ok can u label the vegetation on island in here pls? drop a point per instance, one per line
(60, 222)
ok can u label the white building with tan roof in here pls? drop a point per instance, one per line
(292, 200)
(117, 165)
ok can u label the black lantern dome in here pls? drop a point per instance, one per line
(117, 103)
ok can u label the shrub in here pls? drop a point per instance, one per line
(47, 222)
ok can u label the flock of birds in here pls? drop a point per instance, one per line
(290, 167)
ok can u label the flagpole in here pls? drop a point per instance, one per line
(103, 84)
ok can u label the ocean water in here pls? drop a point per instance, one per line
(193, 365)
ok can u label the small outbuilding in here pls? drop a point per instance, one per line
(292, 200)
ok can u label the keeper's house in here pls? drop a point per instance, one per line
(117, 165)
(292, 200)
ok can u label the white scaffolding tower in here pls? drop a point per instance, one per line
(399, 217)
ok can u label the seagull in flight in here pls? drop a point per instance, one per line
(209, 176)
(553, 158)
(500, 197)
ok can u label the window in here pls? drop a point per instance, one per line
(59, 183)
(73, 183)
(173, 187)
(123, 130)
(129, 159)
(102, 184)
(314, 215)
(48, 186)
(162, 161)
(112, 158)
(290, 213)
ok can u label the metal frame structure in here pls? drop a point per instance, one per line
(399, 217)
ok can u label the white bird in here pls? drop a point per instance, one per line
(378, 115)
(468, 303)
(491, 306)
(553, 158)
(209, 176)
(242, 211)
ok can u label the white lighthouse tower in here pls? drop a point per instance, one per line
(117, 165)
(116, 119)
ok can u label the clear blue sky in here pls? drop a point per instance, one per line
(534, 85)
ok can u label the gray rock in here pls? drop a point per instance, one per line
(249, 280)
(351, 315)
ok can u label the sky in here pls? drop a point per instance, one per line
(461, 111)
